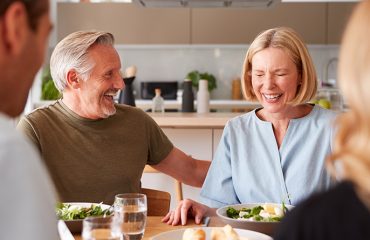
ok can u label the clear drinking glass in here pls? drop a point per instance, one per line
(101, 228)
(131, 209)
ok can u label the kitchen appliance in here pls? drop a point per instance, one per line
(168, 89)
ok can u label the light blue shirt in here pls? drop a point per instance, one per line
(248, 166)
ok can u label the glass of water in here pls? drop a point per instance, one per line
(131, 209)
(101, 228)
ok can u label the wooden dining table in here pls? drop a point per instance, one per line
(155, 226)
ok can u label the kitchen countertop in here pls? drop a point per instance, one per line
(176, 104)
(192, 120)
(213, 104)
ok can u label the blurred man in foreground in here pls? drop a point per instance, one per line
(27, 195)
(93, 147)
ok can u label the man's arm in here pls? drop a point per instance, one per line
(184, 168)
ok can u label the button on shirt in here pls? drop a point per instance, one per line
(250, 168)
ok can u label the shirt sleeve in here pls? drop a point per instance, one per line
(26, 128)
(27, 194)
(218, 189)
(159, 144)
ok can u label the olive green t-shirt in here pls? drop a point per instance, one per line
(93, 160)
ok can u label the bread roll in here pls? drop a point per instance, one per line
(230, 233)
(218, 234)
(225, 233)
(194, 234)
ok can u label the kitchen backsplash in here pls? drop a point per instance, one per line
(173, 62)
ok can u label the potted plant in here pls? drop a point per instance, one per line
(48, 89)
(195, 76)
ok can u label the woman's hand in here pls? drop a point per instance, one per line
(186, 208)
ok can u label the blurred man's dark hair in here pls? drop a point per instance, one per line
(35, 9)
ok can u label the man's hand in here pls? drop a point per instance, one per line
(186, 208)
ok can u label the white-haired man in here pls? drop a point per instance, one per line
(93, 147)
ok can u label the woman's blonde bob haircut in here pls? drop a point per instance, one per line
(352, 142)
(289, 41)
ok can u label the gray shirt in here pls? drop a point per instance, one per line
(249, 167)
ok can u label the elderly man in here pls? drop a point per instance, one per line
(27, 194)
(93, 147)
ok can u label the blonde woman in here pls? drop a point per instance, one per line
(275, 153)
(344, 211)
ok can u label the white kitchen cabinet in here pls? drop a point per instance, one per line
(199, 143)
(217, 134)
(194, 142)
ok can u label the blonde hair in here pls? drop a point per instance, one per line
(352, 142)
(71, 53)
(288, 40)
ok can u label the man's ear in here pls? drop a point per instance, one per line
(73, 80)
(15, 28)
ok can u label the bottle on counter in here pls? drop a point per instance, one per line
(158, 101)
(203, 97)
(187, 97)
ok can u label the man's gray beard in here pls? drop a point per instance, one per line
(109, 111)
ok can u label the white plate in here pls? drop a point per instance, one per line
(263, 227)
(177, 234)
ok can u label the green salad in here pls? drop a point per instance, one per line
(66, 211)
(264, 213)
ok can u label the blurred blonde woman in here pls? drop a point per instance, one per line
(344, 211)
(277, 152)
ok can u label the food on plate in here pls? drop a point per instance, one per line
(67, 211)
(264, 213)
(194, 234)
(225, 233)
(218, 234)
